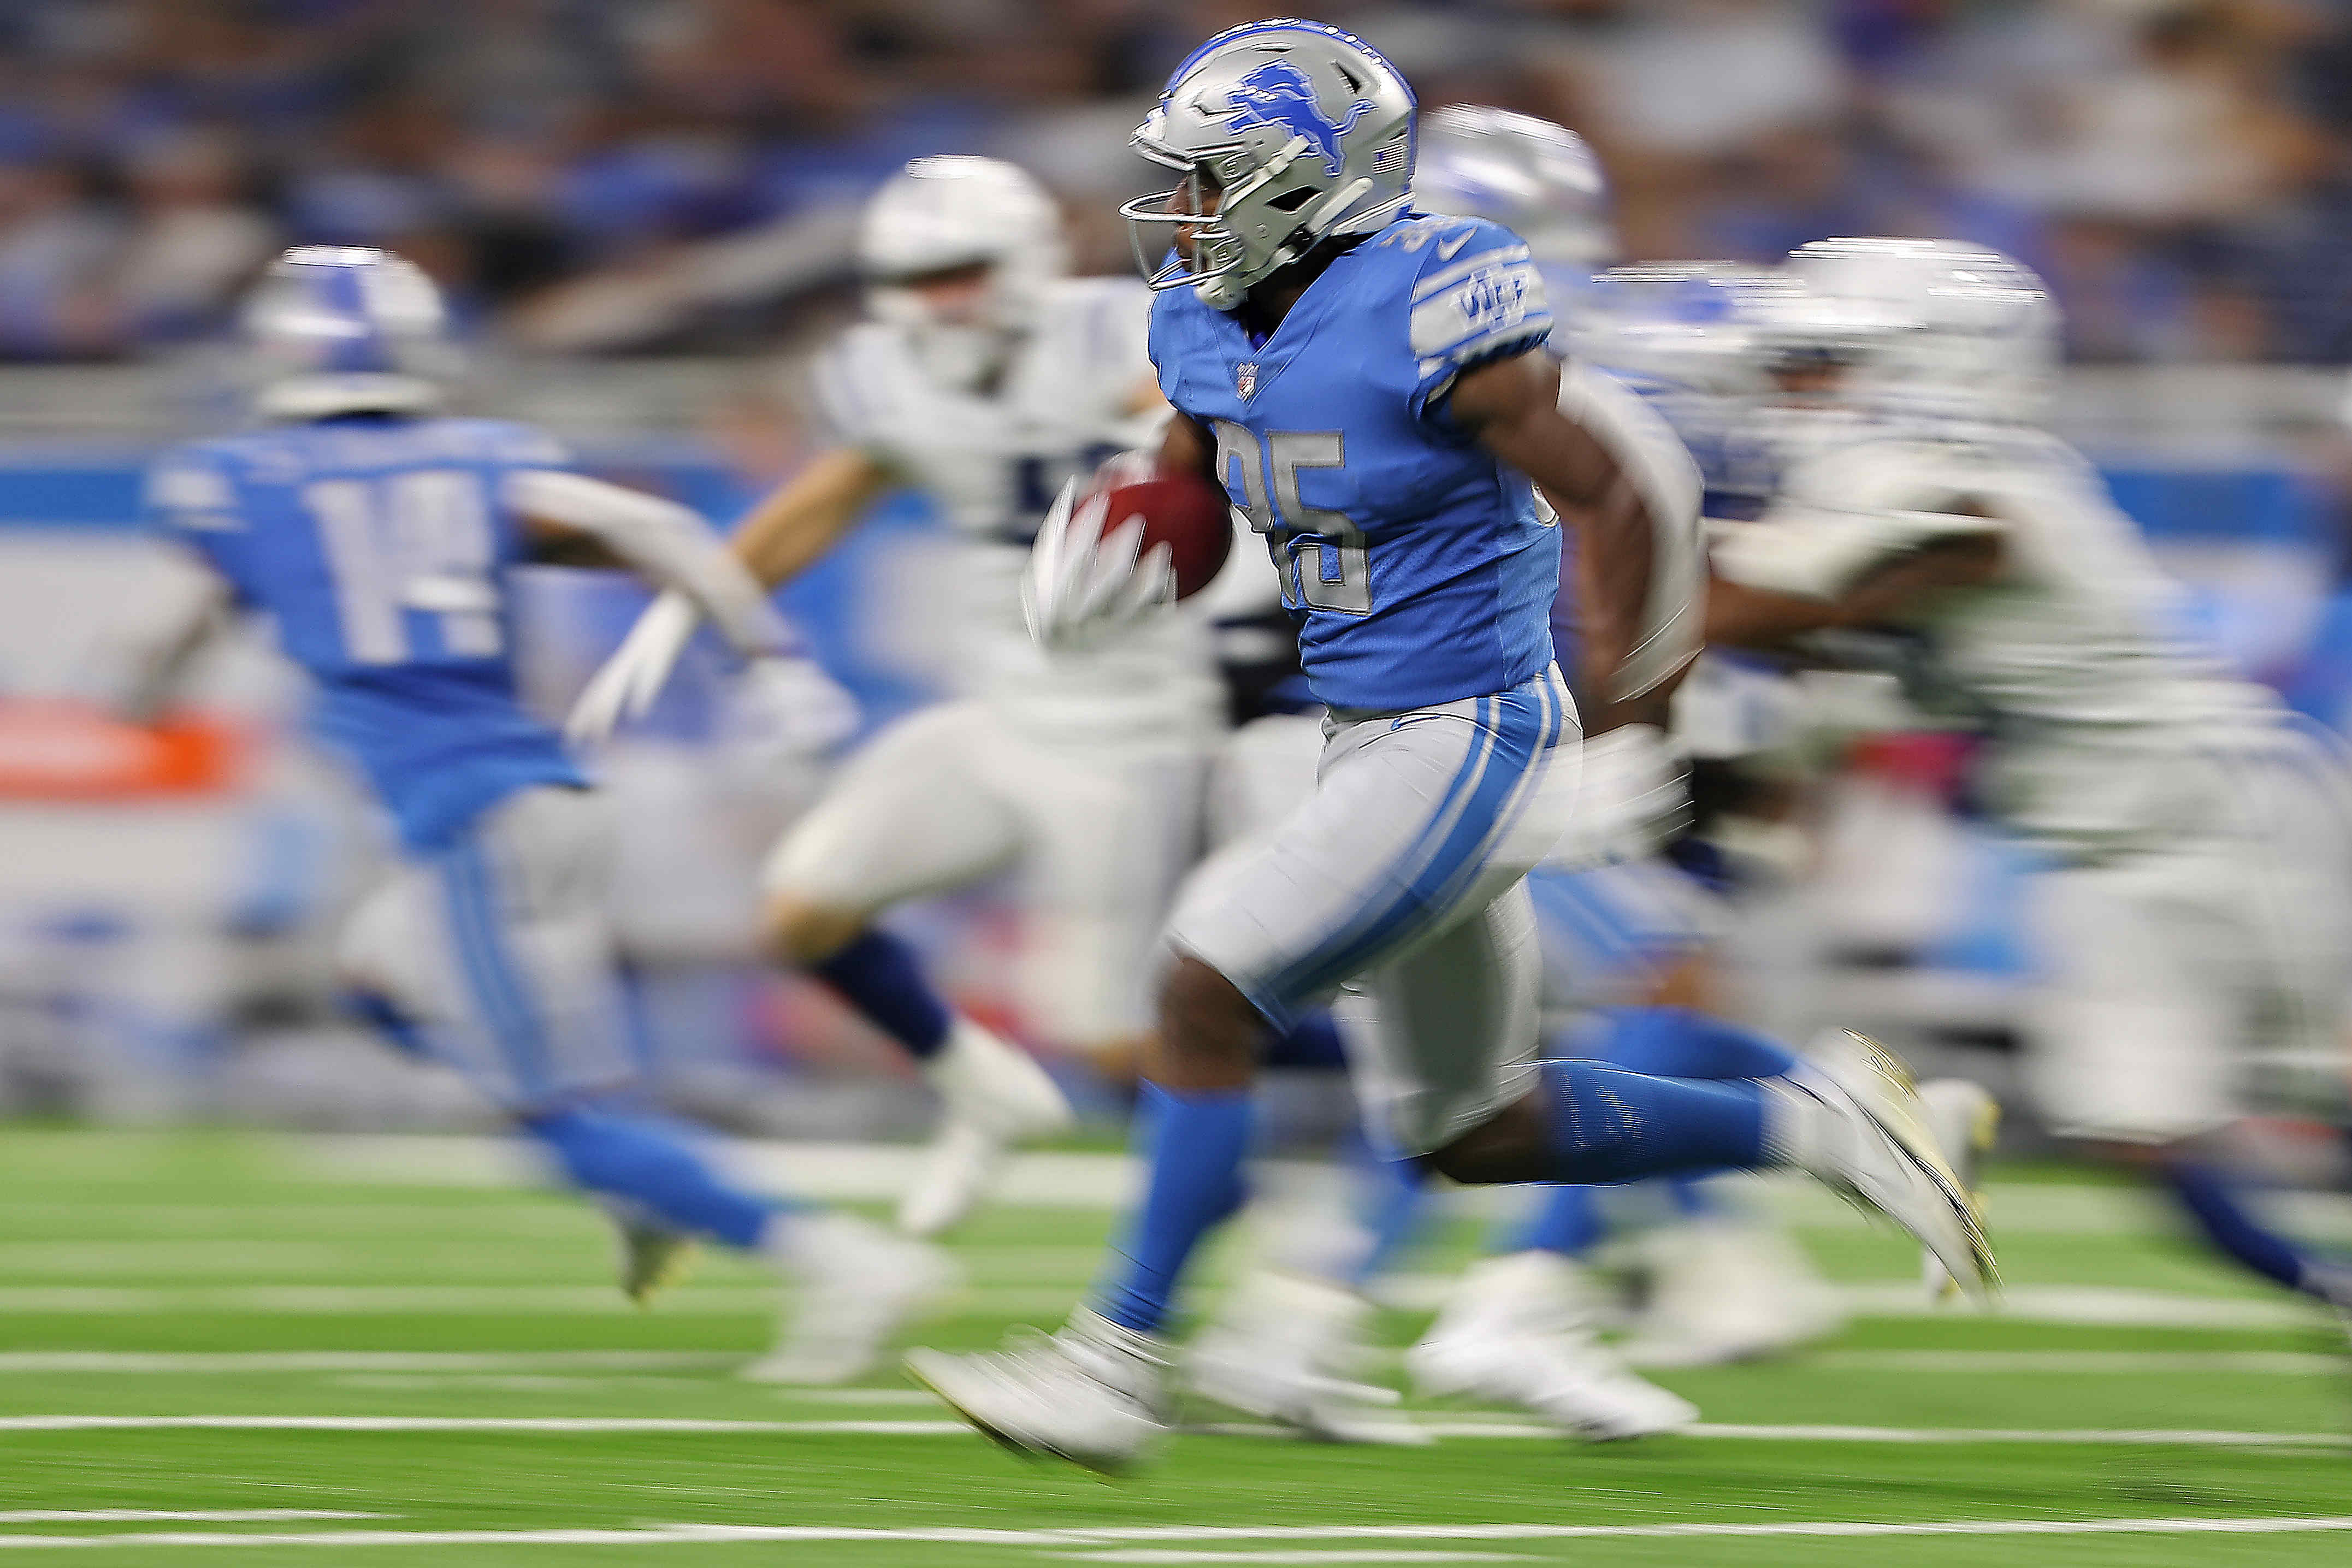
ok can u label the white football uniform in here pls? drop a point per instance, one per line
(1082, 769)
(2200, 895)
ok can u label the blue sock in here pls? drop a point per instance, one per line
(1312, 1041)
(643, 1161)
(1675, 1042)
(1196, 1141)
(1605, 1124)
(1389, 1195)
(879, 975)
(1567, 1220)
(2208, 1197)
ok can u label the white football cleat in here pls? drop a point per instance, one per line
(994, 1095)
(1518, 1330)
(1865, 1136)
(1725, 1287)
(1966, 1119)
(850, 1288)
(1092, 1394)
(1290, 1349)
(653, 1258)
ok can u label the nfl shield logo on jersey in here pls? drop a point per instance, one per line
(1246, 379)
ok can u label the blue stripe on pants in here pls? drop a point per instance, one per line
(500, 992)
(1516, 730)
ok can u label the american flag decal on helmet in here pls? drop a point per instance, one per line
(1389, 160)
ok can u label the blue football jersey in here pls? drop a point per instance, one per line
(1419, 569)
(380, 547)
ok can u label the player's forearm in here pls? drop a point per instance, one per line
(660, 541)
(797, 522)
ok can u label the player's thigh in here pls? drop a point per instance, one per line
(1445, 1036)
(1413, 825)
(910, 814)
(1108, 835)
(2296, 892)
(2135, 1027)
(517, 969)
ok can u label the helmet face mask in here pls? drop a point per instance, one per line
(957, 254)
(1300, 130)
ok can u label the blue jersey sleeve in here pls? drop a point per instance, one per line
(191, 499)
(1476, 296)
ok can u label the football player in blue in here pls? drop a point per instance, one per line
(1368, 384)
(377, 533)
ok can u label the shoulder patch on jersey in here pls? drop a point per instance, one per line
(1477, 305)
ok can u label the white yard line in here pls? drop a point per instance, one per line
(241, 1362)
(174, 1515)
(978, 1535)
(1506, 1430)
(1348, 1554)
(2067, 1363)
(2108, 1306)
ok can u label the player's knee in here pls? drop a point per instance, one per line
(800, 931)
(1506, 1148)
(1209, 1032)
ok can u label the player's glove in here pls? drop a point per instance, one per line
(1090, 577)
(785, 707)
(1632, 796)
(625, 685)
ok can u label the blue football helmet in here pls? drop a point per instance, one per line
(345, 330)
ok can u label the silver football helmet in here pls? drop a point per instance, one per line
(939, 215)
(1537, 179)
(1922, 328)
(1286, 132)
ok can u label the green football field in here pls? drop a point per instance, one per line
(235, 1349)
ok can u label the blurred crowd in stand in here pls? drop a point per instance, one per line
(632, 175)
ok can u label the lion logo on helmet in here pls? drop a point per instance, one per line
(1279, 95)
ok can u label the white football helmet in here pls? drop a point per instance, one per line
(942, 214)
(1923, 329)
(337, 329)
(1299, 131)
(1537, 179)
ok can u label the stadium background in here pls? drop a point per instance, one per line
(642, 210)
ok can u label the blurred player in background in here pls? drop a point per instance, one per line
(1368, 384)
(377, 533)
(2196, 899)
(985, 379)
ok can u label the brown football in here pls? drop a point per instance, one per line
(1187, 514)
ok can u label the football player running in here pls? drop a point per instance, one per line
(2197, 899)
(378, 534)
(985, 379)
(1369, 386)
(1620, 930)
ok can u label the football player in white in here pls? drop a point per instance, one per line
(2197, 898)
(985, 379)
